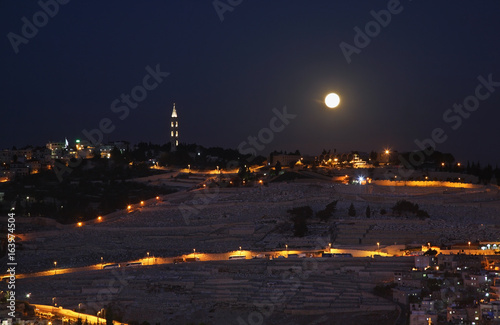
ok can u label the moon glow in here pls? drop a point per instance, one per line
(332, 100)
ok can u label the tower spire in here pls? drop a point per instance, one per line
(174, 130)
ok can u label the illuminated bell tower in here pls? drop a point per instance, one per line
(174, 130)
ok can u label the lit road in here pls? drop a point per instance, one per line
(48, 311)
(150, 261)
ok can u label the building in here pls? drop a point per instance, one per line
(425, 261)
(403, 295)
(284, 159)
(174, 130)
(56, 149)
(490, 311)
(423, 313)
(105, 150)
(20, 169)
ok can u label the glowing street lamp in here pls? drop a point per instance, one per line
(194, 252)
(330, 247)
(53, 300)
(55, 267)
(469, 248)
(148, 257)
(102, 266)
(378, 246)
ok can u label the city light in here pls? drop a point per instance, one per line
(80, 224)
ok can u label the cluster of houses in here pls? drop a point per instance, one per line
(450, 289)
(31, 160)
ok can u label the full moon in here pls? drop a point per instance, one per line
(332, 100)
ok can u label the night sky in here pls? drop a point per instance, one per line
(227, 76)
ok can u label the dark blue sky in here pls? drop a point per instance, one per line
(227, 76)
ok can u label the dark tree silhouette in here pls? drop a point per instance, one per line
(109, 316)
(277, 167)
(327, 212)
(299, 217)
(352, 211)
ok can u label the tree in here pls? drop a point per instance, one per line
(327, 212)
(352, 211)
(277, 167)
(109, 316)
(79, 321)
(368, 212)
(421, 214)
(403, 206)
(116, 155)
(299, 218)
(431, 252)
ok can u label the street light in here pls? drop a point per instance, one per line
(55, 267)
(330, 247)
(286, 247)
(469, 248)
(102, 266)
(240, 250)
(148, 257)
(378, 246)
(53, 300)
(194, 252)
